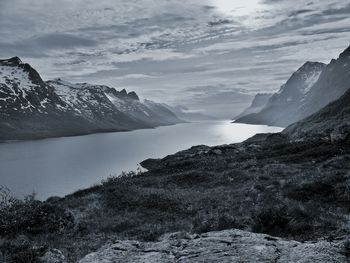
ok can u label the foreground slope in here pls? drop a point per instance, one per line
(286, 188)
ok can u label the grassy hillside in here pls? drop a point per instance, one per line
(297, 190)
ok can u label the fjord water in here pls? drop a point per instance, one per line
(59, 166)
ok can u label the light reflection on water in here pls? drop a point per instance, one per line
(60, 166)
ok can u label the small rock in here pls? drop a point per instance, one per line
(53, 256)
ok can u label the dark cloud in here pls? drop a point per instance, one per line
(61, 41)
(40, 46)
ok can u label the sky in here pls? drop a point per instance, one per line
(209, 55)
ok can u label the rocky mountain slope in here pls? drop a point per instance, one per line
(282, 108)
(330, 123)
(257, 104)
(309, 89)
(31, 108)
(99, 102)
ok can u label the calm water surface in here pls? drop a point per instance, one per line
(60, 166)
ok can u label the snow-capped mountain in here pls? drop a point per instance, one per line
(31, 108)
(257, 104)
(308, 90)
(22, 91)
(99, 102)
(147, 111)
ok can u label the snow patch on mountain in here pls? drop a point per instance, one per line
(310, 79)
(16, 76)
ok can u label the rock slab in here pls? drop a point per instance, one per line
(223, 246)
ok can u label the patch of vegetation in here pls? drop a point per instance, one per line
(21, 221)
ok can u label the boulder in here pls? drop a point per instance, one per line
(53, 256)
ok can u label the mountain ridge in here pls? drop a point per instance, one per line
(32, 108)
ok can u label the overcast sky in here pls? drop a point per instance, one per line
(193, 52)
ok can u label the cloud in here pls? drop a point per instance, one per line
(175, 50)
(42, 45)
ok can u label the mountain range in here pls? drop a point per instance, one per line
(31, 108)
(187, 114)
(310, 88)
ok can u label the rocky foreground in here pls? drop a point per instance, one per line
(223, 246)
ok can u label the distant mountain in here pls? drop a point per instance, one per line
(330, 123)
(333, 83)
(309, 89)
(186, 114)
(112, 105)
(282, 108)
(257, 104)
(31, 108)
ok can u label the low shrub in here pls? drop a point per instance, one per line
(21, 250)
(30, 216)
(213, 221)
(288, 218)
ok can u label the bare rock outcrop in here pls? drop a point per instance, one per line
(223, 246)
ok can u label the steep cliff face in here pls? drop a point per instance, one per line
(332, 122)
(332, 83)
(283, 107)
